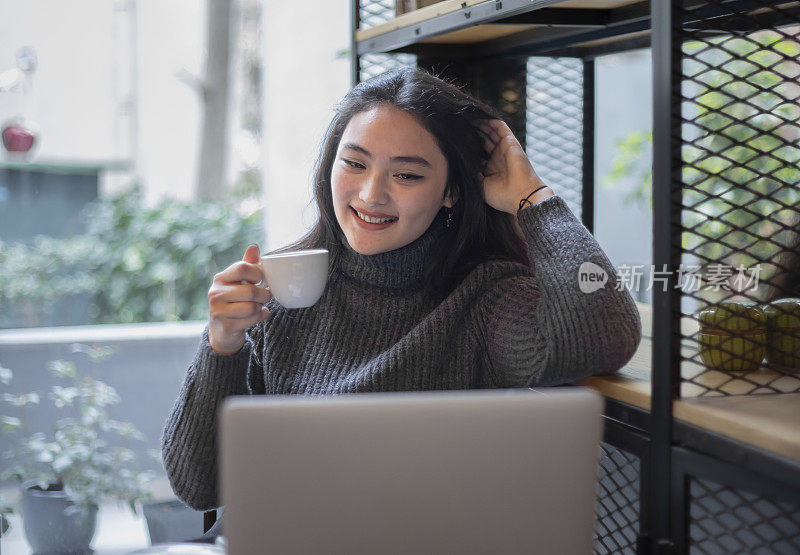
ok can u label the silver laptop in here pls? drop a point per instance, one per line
(510, 471)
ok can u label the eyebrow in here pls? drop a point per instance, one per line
(407, 159)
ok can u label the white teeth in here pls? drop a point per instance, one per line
(371, 220)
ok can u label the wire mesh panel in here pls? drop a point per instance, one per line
(727, 520)
(371, 65)
(555, 125)
(617, 506)
(375, 12)
(739, 272)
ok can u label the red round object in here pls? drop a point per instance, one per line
(17, 138)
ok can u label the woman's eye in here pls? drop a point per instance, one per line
(408, 176)
(353, 164)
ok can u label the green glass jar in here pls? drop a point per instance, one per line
(783, 332)
(733, 336)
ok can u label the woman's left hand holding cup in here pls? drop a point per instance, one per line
(235, 303)
(509, 176)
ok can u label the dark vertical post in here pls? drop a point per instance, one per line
(355, 62)
(587, 188)
(644, 535)
(680, 507)
(666, 244)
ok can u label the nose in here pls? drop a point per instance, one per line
(374, 190)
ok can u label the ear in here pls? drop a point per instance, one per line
(450, 199)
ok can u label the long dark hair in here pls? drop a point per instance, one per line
(478, 232)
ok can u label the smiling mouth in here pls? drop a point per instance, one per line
(372, 219)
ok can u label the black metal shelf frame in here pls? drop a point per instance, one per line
(564, 27)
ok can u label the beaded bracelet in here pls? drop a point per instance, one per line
(523, 201)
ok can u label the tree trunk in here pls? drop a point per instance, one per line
(216, 92)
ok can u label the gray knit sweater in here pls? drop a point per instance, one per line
(375, 329)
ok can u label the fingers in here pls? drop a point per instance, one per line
(232, 309)
(499, 128)
(222, 293)
(239, 272)
(235, 304)
(238, 311)
(227, 335)
(247, 270)
(495, 129)
(492, 168)
(252, 254)
(497, 133)
(488, 144)
(490, 139)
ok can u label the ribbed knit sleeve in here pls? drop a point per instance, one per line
(541, 329)
(188, 443)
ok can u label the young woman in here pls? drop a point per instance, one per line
(452, 266)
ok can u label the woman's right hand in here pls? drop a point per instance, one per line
(235, 303)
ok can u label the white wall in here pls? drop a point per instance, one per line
(171, 40)
(73, 97)
(303, 80)
(83, 91)
(86, 97)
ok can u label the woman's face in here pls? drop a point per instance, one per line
(388, 180)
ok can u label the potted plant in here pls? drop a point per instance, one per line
(67, 473)
(170, 520)
(4, 524)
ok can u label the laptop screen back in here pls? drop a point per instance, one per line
(510, 471)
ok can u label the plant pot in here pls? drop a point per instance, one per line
(733, 336)
(172, 521)
(783, 324)
(48, 528)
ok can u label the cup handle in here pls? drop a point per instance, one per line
(263, 282)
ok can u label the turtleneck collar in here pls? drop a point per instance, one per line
(400, 269)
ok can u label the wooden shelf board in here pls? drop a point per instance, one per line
(771, 422)
(475, 33)
(417, 16)
(615, 38)
(594, 4)
(629, 390)
(478, 33)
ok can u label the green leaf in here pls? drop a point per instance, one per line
(20, 400)
(63, 396)
(62, 368)
(139, 263)
(5, 375)
(10, 423)
(61, 463)
(45, 457)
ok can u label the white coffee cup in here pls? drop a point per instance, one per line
(296, 279)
